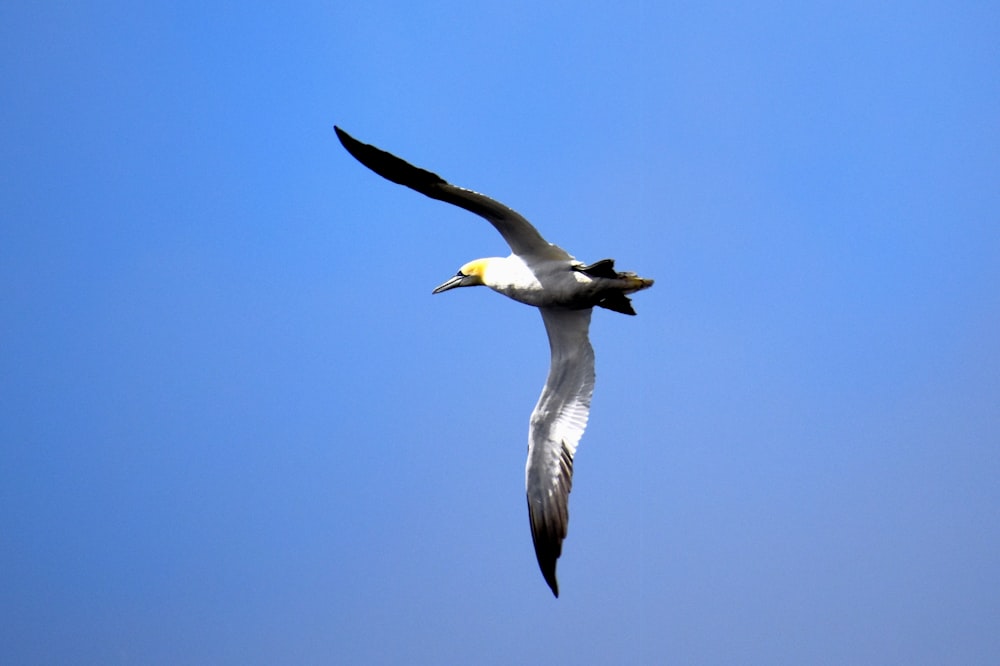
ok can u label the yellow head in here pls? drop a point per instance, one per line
(470, 275)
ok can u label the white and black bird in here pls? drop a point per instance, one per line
(565, 291)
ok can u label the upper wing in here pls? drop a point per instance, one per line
(520, 235)
(557, 424)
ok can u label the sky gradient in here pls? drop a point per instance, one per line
(236, 428)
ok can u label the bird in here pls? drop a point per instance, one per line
(565, 291)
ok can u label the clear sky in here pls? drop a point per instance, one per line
(236, 428)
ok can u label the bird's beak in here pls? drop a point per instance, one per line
(456, 281)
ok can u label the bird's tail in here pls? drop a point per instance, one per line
(634, 282)
(617, 299)
(619, 285)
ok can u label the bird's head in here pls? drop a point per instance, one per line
(469, 275)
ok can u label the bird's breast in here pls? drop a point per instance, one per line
(542, 284)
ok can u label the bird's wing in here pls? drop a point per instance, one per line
(557, 424)
(521, 236)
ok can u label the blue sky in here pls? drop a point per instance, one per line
(235, 427)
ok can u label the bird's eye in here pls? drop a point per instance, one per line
(460, 274)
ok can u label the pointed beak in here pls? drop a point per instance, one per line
(456, 281)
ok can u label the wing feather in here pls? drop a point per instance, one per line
(557, 424)
(521, 235)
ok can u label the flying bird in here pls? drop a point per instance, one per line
(565, 291)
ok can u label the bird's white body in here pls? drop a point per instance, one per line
(513, 277)
(565, 291)
(546, 282)
(549, 281)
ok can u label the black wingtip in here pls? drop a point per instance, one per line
(554, 585)
(547, 558)
(388, 165)
(547, 564)
(352, 145)
(344, 137)
(547, 540)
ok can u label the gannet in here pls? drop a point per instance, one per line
(565, 291)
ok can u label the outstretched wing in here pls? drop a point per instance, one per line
(557, 424)
(520, 235)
